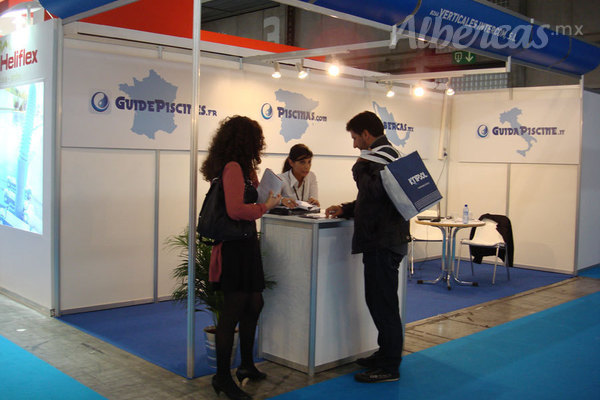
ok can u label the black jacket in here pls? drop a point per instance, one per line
(377, 223)
(504, 227)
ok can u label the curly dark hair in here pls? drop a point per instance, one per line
(238, 139)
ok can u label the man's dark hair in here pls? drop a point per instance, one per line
(366, 120)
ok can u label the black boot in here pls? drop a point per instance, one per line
(244, 374)
(228, 386)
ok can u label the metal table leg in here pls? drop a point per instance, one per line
(453, 240)
(444, 273)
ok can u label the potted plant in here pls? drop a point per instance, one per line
(207, 298)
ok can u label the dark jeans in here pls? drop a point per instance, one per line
(381, 294)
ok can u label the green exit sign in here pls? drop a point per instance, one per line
(463, 57)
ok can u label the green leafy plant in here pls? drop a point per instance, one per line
(208, 299)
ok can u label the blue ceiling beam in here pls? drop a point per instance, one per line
(477, 26)
(73, 10)
(68, 8)
(465, 24)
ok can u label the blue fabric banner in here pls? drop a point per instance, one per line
(475, 25)
(465, 24)
(67, 8)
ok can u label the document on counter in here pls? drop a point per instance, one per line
(270, 182)
(305, 205)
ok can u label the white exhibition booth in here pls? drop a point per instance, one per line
(116, 161)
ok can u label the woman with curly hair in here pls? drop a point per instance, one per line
(236, 266)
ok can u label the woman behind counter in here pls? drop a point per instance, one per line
(236, 266)
(299, 183)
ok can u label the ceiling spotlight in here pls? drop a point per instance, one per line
(334, 70)
(276, 73)
(449, 89)
(418, 90)
(390, 90)
(302, 73)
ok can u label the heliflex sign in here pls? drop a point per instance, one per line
(18, 59)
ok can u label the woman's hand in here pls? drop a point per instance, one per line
(333, 211)
(314, 202)
(289, 203)
(272, 200)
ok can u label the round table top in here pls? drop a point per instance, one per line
(451, 223)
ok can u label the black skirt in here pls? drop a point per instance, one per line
(241, 269)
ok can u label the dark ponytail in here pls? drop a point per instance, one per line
(297, 152)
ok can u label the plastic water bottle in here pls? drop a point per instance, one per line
(465, 218)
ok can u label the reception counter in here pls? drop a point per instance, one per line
(316, 317)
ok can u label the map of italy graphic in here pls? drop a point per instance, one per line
(512, 118)
(151, 87)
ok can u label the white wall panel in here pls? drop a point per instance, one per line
(531, 125)
(137, 103)
(482, 186)
(543, 202)
(588, 251)
(173, 214)
(107, 226)
(541, 194)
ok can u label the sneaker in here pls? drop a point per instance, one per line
(376, 375)
(368, 362)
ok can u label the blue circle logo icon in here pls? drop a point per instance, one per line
(267, 111)
(482, 131)
(100, 101)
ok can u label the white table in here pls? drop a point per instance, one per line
(449, 228)
(316, 317)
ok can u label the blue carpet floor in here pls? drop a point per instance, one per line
(157, 332)
(425, 300)
(24, 376)
(553, 354)
(592, 272)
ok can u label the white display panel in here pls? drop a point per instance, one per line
(543, 209)
(21, 157)
(173, 213)
(519, 126)
(588, 251)
(107, 227)
(145, 104)
(482, 187)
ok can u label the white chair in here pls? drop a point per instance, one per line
(422, 233)
(485, 236)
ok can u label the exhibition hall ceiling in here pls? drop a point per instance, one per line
(578, 20)
(214, 10)
(223, 16)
